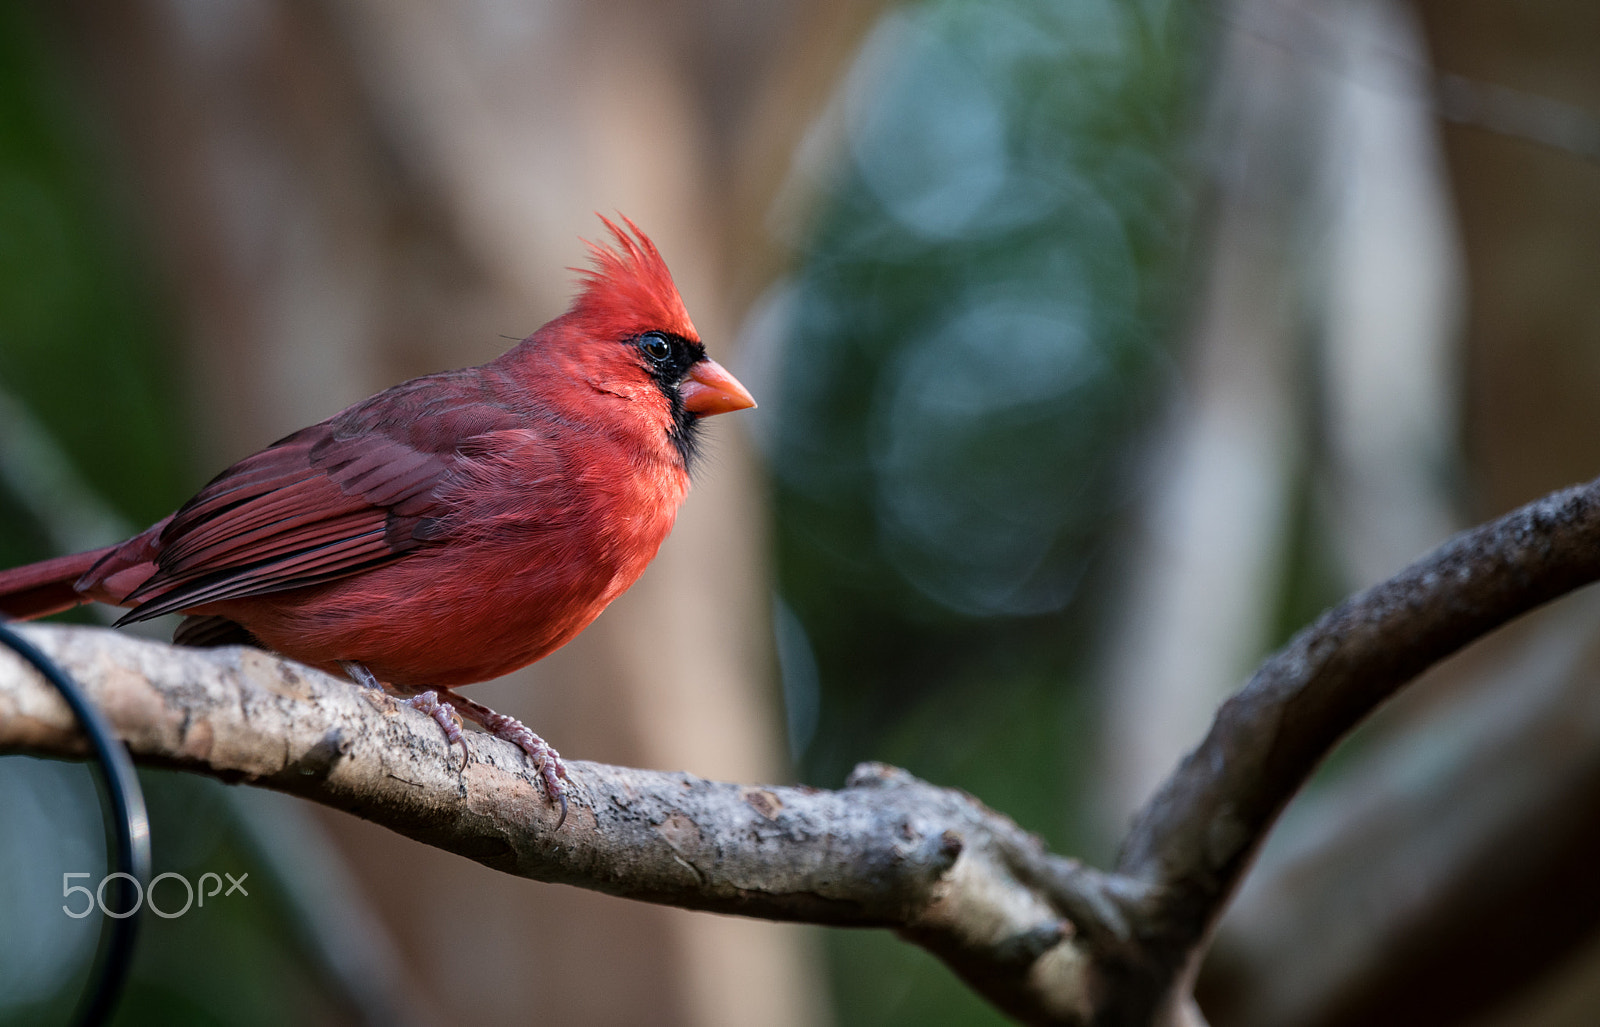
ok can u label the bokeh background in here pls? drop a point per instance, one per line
(1100, 344)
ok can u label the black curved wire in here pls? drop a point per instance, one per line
(127, 836)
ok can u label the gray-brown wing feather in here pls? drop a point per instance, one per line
(347, 495)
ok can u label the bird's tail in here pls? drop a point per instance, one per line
(46, 587)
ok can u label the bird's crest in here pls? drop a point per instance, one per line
(629, 288)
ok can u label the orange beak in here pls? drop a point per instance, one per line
(710, 389)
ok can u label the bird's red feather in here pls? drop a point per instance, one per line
(629, 289)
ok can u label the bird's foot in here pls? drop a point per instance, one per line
(447, 707)
(545, 759)
(444, 714)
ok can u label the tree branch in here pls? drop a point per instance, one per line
(886, 851)
(1043, 937)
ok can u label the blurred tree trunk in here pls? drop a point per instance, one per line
(1530, 221)
(1529, 217)
(347, 194)
(1309, 452)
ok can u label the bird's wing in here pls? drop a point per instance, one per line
(355, 492)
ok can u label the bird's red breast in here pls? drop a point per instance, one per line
(462, 524)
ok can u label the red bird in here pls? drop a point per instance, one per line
(450, 529)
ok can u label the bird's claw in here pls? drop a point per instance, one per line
(546, 761)
(445, 715)
(554, 772)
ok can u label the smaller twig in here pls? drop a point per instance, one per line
(1194, 840)
(1455, 918)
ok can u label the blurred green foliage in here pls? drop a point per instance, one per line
(86, 351)
(976, 344)
(82, 341)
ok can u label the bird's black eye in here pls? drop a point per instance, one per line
(656, 347)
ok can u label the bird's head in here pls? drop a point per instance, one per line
(627, 335)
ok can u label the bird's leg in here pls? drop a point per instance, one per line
(442, 712)
(359, 673)
(545, 759)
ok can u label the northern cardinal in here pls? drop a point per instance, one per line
(447, 530)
